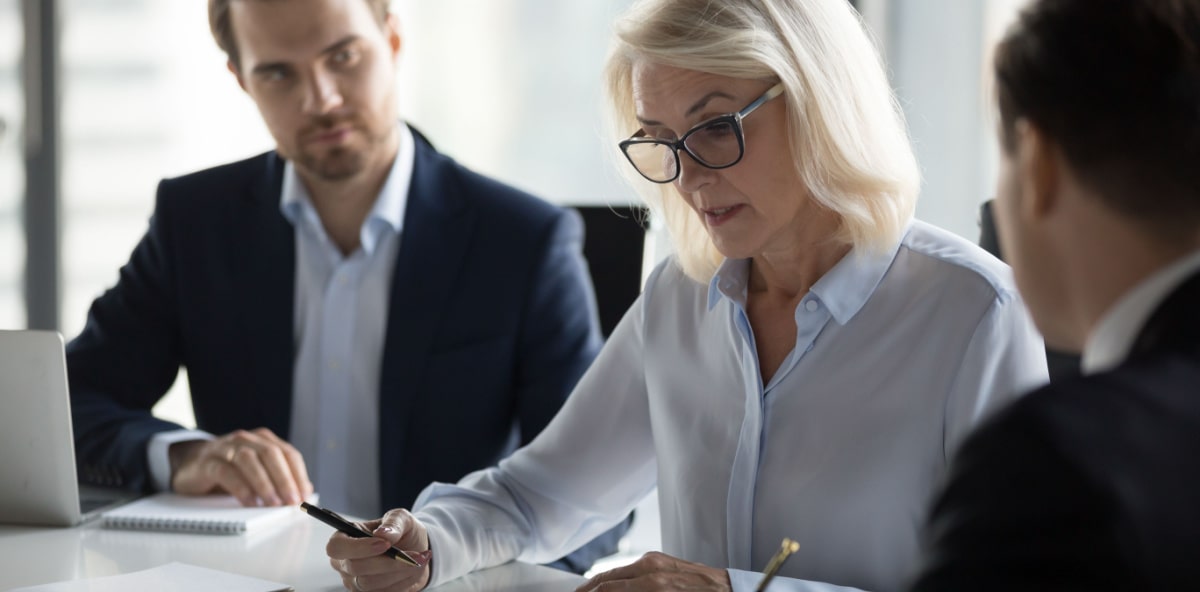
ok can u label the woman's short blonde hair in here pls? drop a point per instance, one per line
(845, 127)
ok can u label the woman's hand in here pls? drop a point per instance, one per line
(364, 567)
(658, 571)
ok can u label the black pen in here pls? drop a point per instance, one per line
(331, 518)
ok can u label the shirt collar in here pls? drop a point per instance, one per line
(730, 281)
(386, 214)
(1117, 330)
(844, 289)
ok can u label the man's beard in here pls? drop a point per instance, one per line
(336, 164)
(340, 162)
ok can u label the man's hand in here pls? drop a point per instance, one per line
(256, 467)
(657, 571)
(364, 567)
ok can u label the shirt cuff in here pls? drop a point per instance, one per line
(743, 581)
(440, 567)
(157, 453)
(747, 581)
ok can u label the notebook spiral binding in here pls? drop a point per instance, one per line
(169, 524)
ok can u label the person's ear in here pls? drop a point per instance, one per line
(392, 30)
(1039, 167)
(237, 74)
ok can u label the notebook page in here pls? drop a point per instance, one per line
(210, 514)
(177, 577)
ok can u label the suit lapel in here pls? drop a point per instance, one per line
(266, 267)
(1175, 324)
(432, 248)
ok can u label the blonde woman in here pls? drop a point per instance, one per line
(803, 365)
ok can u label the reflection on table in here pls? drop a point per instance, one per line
(292, 552)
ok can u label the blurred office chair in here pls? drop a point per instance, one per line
(613, 245)
(1061, 364)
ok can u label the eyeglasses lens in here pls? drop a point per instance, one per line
(715, 144)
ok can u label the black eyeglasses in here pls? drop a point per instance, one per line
(718, 143)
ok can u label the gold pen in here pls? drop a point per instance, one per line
(785, 550)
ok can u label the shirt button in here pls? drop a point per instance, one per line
(811, 306)
(333, 364)
(331, 444)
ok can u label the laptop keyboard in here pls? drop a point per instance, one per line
(91, 504)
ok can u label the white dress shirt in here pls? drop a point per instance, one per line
(341, 311)
(897, 356)
(1110, 343)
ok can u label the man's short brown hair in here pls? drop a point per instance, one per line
(222, 26)
(1116, 84)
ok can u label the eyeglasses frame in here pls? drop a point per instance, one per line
(681, 144)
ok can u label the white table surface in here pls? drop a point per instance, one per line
(292, 553)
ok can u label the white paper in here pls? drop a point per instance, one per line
(177, 577)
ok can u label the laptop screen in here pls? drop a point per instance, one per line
(37, 451)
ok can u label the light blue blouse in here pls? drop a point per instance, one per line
(897, 356)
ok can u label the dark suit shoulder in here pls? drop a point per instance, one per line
(1151, 405)
(497, 202)
(1086, 483)
(225, 176)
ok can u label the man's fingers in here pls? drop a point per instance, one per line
(299, 471)
(227, 477)
(295, 462)
(296, 469)
(280, 473)
(248, 461)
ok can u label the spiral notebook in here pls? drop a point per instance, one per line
(211, 514)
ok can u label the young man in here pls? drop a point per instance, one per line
(354, 309)
(1091, 484)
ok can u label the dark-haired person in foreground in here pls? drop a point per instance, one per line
(1092, 484)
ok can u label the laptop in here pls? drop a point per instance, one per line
(38, 484)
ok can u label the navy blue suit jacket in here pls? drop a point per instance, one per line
(1087, 484)
(491, 322)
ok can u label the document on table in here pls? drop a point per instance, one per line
(178, 577)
